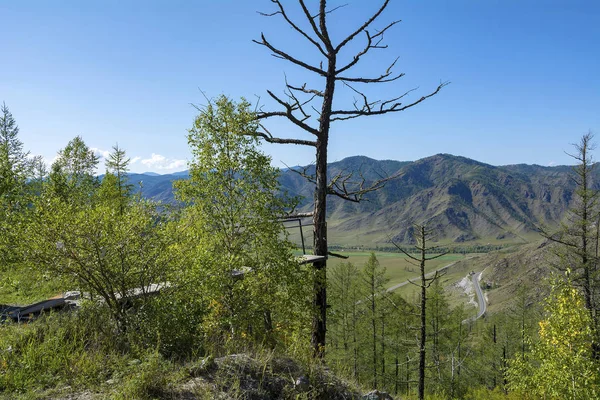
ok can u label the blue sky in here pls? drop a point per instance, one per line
(524, 75)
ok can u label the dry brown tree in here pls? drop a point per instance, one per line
(312, 109)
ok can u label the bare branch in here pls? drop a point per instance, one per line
(293, 25)
(383, 78)
(403, 251)
(386, 106)
(283, 55)
(369, 46)
(271, 139)
(436, 256)
(298, 215)
(354, 191)
(330, 11)
(312, 21)
(366, 105)
(363, 27)
(288, 113)
(297, 104)
(303, 172)
(323, 27)
(337, 255)
(304, 89)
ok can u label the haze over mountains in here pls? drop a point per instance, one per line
(463, 200)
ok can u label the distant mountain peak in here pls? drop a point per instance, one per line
(441, 157)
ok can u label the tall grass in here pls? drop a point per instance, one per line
(70, 349)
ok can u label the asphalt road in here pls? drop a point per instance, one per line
(480, 297)
(474, 278)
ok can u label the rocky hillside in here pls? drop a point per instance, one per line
(462, 199)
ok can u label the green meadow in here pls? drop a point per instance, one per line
(398, 266)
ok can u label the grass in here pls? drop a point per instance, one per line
(26, 285)
(370, 237)
(61, 355)
(397, 266)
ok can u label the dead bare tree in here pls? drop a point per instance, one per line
(312, 110)
(422, 236)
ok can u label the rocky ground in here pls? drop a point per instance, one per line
(240, 376)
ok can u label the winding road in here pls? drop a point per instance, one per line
(480, 298)
(474, 278)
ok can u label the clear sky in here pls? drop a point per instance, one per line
(525, 75)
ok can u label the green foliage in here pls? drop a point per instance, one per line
(374, 280)
(114, 186)
(101, 240)
(15, 167)
(72, 174)
(150, 378)
(69, 349)
(241, 269)
(483, 393)
(15, 170)
(580, 235)
(26, 284)
(106, 252)
(344, 294)
(369, 329)
(170, 322)
(560, 365)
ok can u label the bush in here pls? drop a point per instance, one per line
(169, 323)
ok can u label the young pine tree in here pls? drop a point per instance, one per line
(374, 280)
(115, 186)
(344, 296)
(15, 167)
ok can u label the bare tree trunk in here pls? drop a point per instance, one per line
(354, 338)
(407, 375)
(422, 235)
(374, 327)
(423, 337)
(319, 324)
(383, 349)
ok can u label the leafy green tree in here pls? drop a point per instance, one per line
(561, 365)
(241, 264)
(106, 252)
(458, 351)
(82, 233)
(72, 174)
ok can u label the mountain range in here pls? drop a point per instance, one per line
(461, 199)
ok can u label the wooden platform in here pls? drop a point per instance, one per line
(309, 259)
